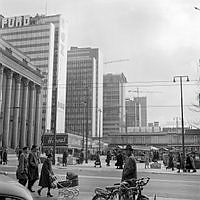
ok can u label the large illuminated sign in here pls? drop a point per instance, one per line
(15, 21)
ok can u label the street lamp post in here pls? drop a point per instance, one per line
(84, 105)
(100, 130)
(182, 119)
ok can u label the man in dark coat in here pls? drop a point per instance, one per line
(130, 167)
(108, 158)
(46, 174)
(65, 155)
(33, 162)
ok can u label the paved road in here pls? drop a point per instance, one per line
(166, 184)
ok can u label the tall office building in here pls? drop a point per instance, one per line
(130, 113)
(43, 40)
(114, 113)
(141, 111)
(84, 91)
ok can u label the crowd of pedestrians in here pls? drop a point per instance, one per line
(28, 171)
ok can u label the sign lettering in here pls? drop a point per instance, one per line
(15, 21)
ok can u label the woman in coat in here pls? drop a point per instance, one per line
(46, 174)
(22, 170)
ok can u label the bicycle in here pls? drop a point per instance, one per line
(127, 190)
(132, 189)
(109, 193)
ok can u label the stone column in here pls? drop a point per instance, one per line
(37, 134)
(15, 133)
(6, 126)
(1, 100)
(1, 86)
(22, 141)
(31, 115)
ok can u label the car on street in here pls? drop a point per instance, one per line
(10, 189)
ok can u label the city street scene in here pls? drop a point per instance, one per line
(99, 99)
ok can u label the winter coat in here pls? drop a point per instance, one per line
(22, 170)
(33, 162)
(119, 160)
(46, 172)
(130, 169)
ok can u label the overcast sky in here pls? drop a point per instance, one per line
(161, 39)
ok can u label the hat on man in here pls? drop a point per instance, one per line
(33, 147)
(129, 147)
(25, 148)
(50, 155)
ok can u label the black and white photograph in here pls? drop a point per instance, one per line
(100, 99)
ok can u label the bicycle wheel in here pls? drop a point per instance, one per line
(99, 197)
(115, 196)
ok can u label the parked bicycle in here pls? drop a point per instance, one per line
(109, 193)
(127, 190)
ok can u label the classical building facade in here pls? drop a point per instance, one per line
(20, 99)
(43, 39)
(114, 112)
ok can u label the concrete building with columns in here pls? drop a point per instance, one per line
(20, 99)
(43, 39)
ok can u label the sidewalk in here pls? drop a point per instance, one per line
(12, 161)
(140, 168)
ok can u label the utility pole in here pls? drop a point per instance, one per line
(100, 129)
(182, 119)
(54, 129)
(87, 129)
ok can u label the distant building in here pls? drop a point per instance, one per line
(20, 99)
(114, 112)
(84, 91)
(141, 111)
(130, 113)
(43, 39)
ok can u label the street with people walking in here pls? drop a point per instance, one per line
(165, 184)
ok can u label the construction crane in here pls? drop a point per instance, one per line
(114, 61)
(139, 91)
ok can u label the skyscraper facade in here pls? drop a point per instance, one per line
(84, 91)
(43, 39)
(114, 113)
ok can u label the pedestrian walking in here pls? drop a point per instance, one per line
(130, 167)
(65, 155)
(5, 156)
(179, 162)
(22, 170)
(46, 176)
(33, 172)
(1, 155)
(170, 161)
(146, 160)
(108, 158)
(190, 165)
(97, 160)
(81, 157)
(119, 162)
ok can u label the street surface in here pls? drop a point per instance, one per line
(164, 183)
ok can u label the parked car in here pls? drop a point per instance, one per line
(12, 190)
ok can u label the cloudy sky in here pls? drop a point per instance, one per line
(161, 39)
